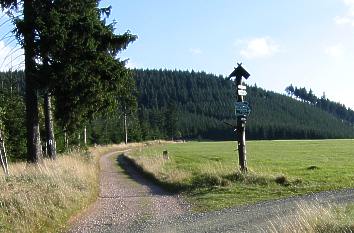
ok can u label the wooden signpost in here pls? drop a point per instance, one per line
(242, 110)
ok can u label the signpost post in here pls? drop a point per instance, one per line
(242, 111)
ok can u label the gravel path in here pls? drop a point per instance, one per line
(130, 203)
(125, 199)
(251, 218)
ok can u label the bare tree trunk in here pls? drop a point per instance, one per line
(3, 156)
(49, 126)
(85, 136)
(34, 148)
(125, 128)
(66, 140)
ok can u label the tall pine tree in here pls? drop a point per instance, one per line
(71, 52)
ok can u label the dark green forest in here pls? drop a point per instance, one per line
(203, 102)
(189, 106)
(12, 110)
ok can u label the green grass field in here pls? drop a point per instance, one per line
(207, 172)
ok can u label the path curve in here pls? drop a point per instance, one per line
(251, 218)
(129, 203)
(125, 199)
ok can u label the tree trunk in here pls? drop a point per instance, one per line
(66, 141)
(3, 156)
(34, 148)
(125, 128)
(85, 136)
(49, 126)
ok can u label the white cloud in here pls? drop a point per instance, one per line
(259, 48)
(335, 50)
(348, 18)
(343, 20)
(195, 51)
(10, 57)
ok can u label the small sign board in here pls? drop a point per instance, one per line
(242, 109)
(242, 92)
(241, 87)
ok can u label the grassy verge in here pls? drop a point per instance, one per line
(315, 218)
(207, 172)
(42, 198)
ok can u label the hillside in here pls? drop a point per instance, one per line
(186, 105)
(202, 102)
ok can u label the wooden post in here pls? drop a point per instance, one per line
(241, 133)
(242, 111)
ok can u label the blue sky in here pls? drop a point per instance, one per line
(307, 43)
(304, 43)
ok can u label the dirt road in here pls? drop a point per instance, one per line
(252, 218)
(130, 203)
(125, 200)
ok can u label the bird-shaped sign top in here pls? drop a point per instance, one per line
(239, 72)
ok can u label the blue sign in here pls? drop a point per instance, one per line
(242, 109)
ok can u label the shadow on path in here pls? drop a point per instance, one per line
(141, 178)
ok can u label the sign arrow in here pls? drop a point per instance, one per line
(242, 92)
(241, 87)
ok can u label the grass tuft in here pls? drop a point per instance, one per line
(207, 180)
(313, 167)
(282, 180)
(249, 178)
(315, 218)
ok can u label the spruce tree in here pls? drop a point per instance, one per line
(27, 30)
(71, 52)
(84, 74)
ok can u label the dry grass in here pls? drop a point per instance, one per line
(156, 165)
(314, 218)
(42, 198)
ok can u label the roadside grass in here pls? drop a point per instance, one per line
(42, 198)
(315, 218)
(207, 172)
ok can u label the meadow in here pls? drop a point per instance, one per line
(207, 172)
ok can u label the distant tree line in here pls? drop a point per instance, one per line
(337, 109)
(13, 109)
(183, 105)
(195, 105)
